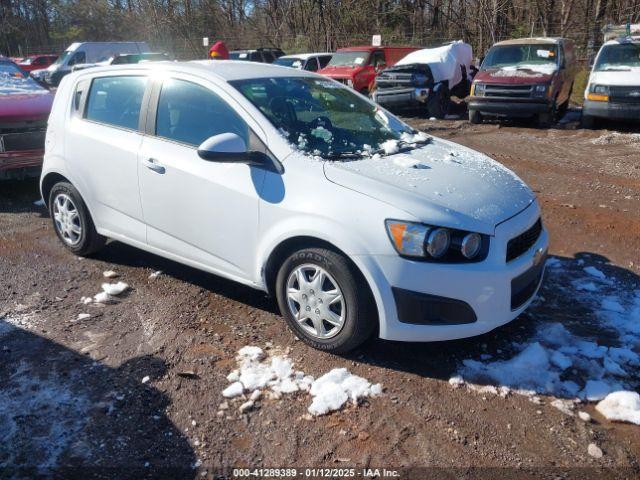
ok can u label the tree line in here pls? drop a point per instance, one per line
(177, 26)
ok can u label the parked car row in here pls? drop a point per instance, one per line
(524, 78)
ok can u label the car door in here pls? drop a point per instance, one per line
(199, 210)
(102, 140)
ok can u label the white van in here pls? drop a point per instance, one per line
(86, 52)
(613, 91)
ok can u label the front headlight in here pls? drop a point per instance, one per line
(598, 93)
(540, 91)
(478, 89)
(433, 243)
(420, 80)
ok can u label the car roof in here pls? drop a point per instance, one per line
(530, 40)
(306, 56)
(227, 70)
(623, 40)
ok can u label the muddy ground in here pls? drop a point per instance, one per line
(73, 401)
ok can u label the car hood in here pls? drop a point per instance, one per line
(629, 78)
(441, 183)
(23, 99)
(511, 76)
(340, 71)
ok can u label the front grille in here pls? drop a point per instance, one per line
(17, 142)
(620, 94)
(524, 286)
(523, 242)
(391, 80)
(508, 91)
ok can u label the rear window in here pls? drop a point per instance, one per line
(116, 101)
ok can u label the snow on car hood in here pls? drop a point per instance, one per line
(440, 183)
(625, 78)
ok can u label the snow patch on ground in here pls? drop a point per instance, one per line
(42, 415)
(617, 138)
(621, 406)
(589, 359)
(276, 374)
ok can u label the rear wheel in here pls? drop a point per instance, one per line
(475, 117)
(72, 221)
(324, 301)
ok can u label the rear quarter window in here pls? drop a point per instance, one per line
(116, 101)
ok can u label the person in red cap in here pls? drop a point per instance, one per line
(219, 51)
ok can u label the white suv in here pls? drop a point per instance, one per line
(293, 184)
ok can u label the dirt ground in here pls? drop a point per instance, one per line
(73, 402)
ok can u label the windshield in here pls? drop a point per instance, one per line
(14, 80)
(619, 57)
(348, 59)
(521, 56)
(62, 58)
(289, 62)
(321, 117)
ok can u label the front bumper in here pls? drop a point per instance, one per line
(508, 107)
(611, 110)
(20, 164)
(485, 287)
(401, 97)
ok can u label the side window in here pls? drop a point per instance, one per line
(189, 113)
(312, 64)
(116, 101)
(78, 57)
(377, 59)
(324, 60)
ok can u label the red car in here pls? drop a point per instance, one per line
(36, 62)
(24, 110)
(357, 67)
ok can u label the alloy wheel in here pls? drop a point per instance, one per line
(316, 301)
(67, 219)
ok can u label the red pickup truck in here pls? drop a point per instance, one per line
(527, 77)
(24, 110)
(357, 67)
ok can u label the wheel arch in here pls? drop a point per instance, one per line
(292, 244)
(47, 183)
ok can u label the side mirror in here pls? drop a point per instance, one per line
(592, 60)
(230, 148)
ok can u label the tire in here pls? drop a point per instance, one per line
(356, 307)
(72, 222)
(438, 104)
(545, 120)
(475, 117)
(588, 122)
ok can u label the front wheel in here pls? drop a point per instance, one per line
(438, 104)
(71, 220)
(325, 301)
(475, 117)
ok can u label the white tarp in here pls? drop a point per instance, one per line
(444, 61)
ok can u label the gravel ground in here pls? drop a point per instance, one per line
(134, 390)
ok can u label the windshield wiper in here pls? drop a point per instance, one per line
(335, 155)
(617, 69)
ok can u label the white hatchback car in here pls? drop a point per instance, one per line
(296, 185)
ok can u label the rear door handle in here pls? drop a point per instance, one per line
(152, 164)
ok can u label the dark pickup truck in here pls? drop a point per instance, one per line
(426, 79)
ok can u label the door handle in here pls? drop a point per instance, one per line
(152, 164)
